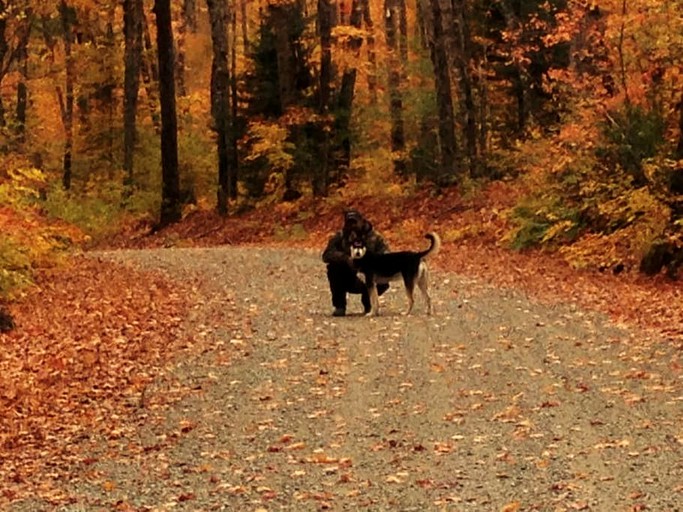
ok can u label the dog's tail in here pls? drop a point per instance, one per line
(434, 247)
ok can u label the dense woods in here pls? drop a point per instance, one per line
(139, 109)
(541, 139)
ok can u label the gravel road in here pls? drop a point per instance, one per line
(494, 403)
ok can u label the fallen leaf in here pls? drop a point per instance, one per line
(513, 506)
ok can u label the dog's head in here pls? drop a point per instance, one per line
(358, 247)
(354, 222)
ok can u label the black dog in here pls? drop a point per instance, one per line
(382, 268)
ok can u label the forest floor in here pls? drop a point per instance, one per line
(200, 369)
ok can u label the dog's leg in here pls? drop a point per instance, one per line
(410, 288)
(374, 298)
(423, 284)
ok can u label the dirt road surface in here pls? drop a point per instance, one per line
(494, 403)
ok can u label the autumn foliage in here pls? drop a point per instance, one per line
(542, 139)
(577, 102)
(66, 382)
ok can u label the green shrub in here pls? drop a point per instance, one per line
(15, 267)
(633, 134)
(543, 220)
(96, 214)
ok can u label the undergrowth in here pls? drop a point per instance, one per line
(597, 212)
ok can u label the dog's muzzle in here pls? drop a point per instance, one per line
(357, 252)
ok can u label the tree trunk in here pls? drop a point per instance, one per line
(444, 100)
(461, 58)
(180, 58)
(220, 98)
(403, 31)
(6, 321)
(325, 14)
(150, 74)
(520, 78)
(109, 89)
(190, 15)
(679, 146)
(132, 28)
(392, 15)
(4, 54)
(22, 64)
(325, 20)
(347, 92)
(372, 58)
(170, 189)
(245, 26)
(188, 23)
(286, 67)
(67, 109)
(234, 161)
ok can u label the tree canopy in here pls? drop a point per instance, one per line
(580, 103)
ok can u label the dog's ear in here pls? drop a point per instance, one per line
(367, 227)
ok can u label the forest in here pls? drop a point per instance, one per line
(137, 112)
(170, 172)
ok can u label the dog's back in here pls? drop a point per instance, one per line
(406, 265)
(391, 263)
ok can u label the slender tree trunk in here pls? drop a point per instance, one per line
(234, 160)
(421, 25)
(325, 14)
(190, 15)
(132, 28)
(403, 31)
(22, 64)
(110, 87)
(392, 15)
(620, 51)
(461, 59)
(483, 109)
(22, 97)
(68, 106)
(150, 74)
(220, 98)
(181, 34)
(4, 54)
(286, 71)
(170, 190)
(325, 19)
(372, 57)
(444, 100)
(347, 92)
(520, 79)
(245, 26)
(679, 147)
(188, 23)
